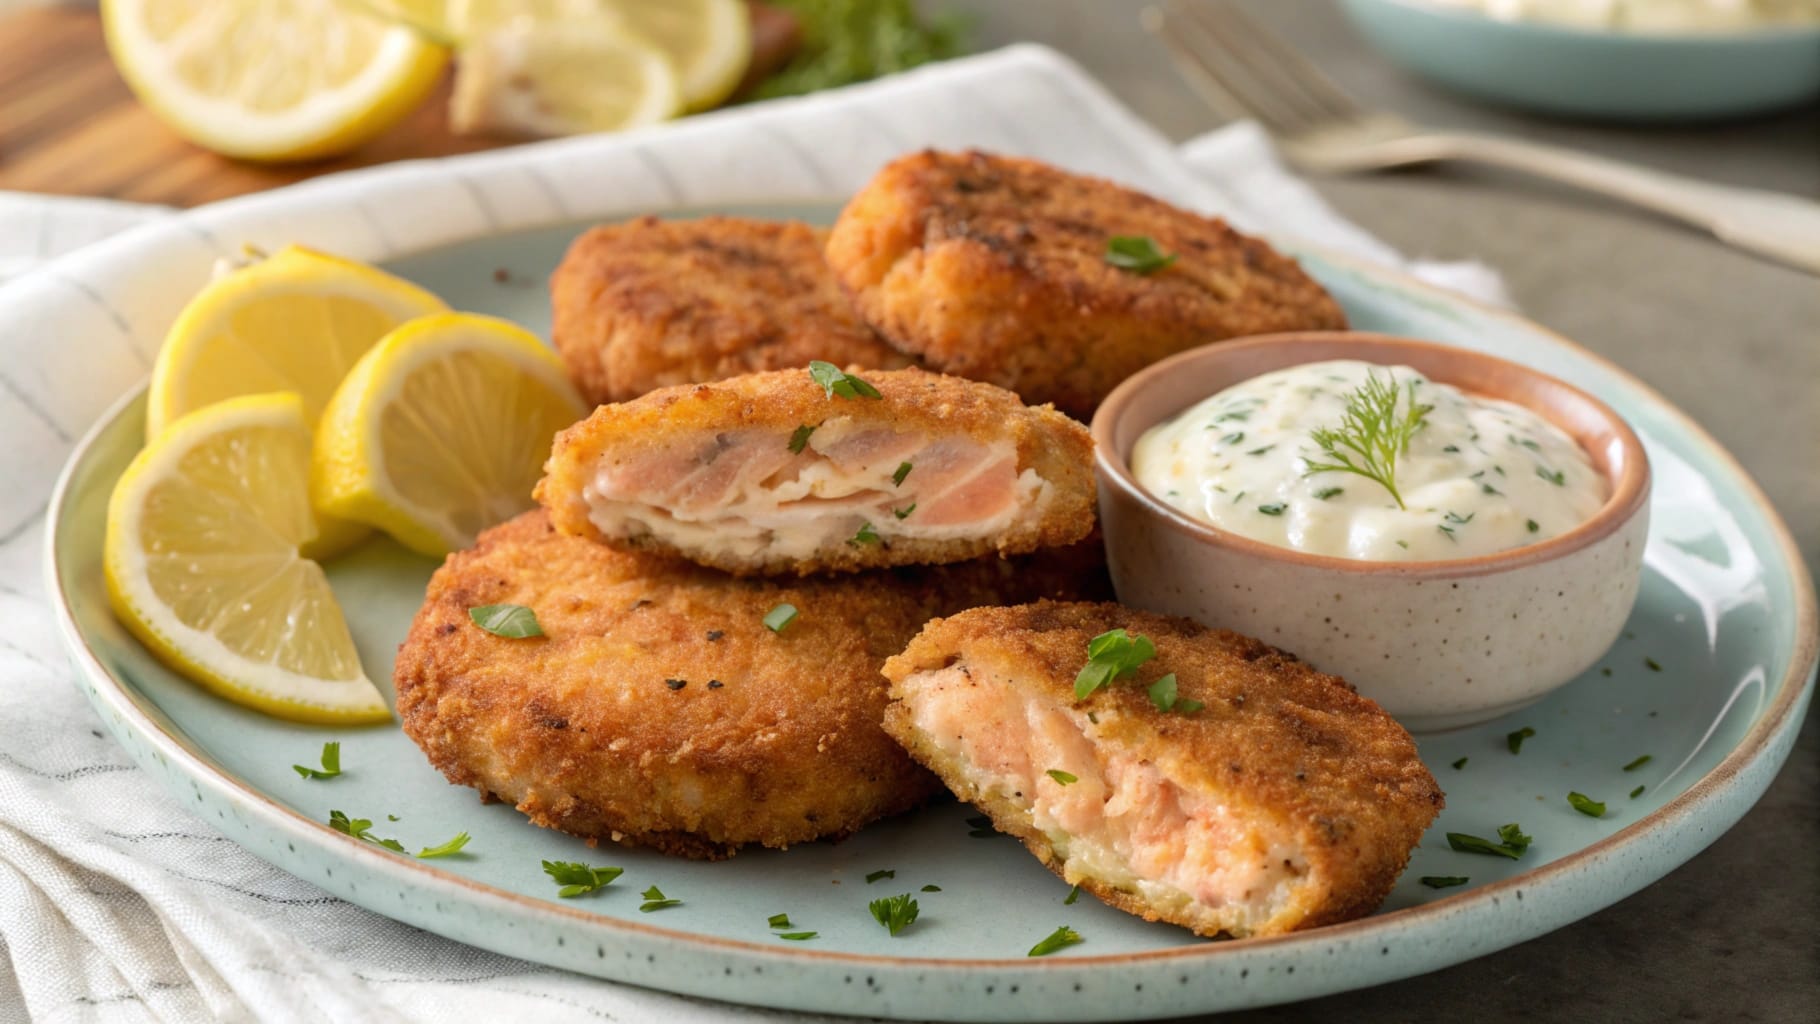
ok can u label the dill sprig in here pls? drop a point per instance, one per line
(1373, 432)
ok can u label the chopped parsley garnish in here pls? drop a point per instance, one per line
(1489, 489)
(331, 763)
(1073, 894)
(1372, 433)
(981, 827)
(452, 846)
(876, 875)
(358, 828)
(1558, 477)
(778, 920)
(1329, 492)
(1448, 530)
(797, 936)
(1233, 438)
(1241, 415)
(1514, 842)
(932, 888)
(1458, 519)
(894, 912)
(1454, 448)
(1534, 526)
(799, 438)
(1111, 655)
(1586, 805)
(1525, 442)
(1261, 451)
(1062, 778)
(1515, 740)
(1275, 508)
(904, 512)
(1635, 793)
(656, 900)
(1651, 664)
(1137, 253)
(512, 621)
(1638, 763)
(1403, 544)
(1163, 695)
(866, 535)
(836, 383)
(1461, 763)
(903, 470)
(579, 879)
(779, 618)
(1060, 938)
(1444, 881)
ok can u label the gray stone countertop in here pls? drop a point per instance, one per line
(1733, 935)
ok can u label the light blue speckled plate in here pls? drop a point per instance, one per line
(1726, 611)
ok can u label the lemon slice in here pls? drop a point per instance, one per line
(275, 80)
(709, 41)
(296, 321)
(457, 22)
(442, 430)
(562, 78)
(201, 563)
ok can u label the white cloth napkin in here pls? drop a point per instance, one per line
(116, 904)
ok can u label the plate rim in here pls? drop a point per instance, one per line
(1705, 794)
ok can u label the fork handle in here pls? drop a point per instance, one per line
(1782, 227)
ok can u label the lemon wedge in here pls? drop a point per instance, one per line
(540, 78)
(201, 563)
(709, 42)
(277, 80)
(296, 321)
(441, 430)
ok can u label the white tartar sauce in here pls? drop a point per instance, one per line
(1667, 16)
(1478, 475)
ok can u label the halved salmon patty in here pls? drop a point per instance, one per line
(671, 706)
(804, 471)
(1269, 798)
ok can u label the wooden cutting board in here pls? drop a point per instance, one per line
(69, 125)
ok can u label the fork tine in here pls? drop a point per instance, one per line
(1280, 61)
(1222, 90)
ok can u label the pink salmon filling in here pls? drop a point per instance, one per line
(1123, 821)
(749, 491)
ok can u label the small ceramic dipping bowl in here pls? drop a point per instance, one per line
(1439, 644)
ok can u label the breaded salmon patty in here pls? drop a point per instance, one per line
(649, 303)
(1283, 801)
(803, 471)
(996, 268)
(659, 709)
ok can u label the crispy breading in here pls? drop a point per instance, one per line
(718, 473)
(995, 268)
(659, 710)
(1288, 801)
(649, 303)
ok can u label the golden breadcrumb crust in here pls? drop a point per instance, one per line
(649, 303)
(1277, 742)
(658, 709)
(995, 268)
(914, 401)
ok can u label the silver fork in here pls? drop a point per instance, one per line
(1245, 72)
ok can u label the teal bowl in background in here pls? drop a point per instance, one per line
(1613, 75)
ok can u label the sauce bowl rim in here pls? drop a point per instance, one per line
(1629, 490)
